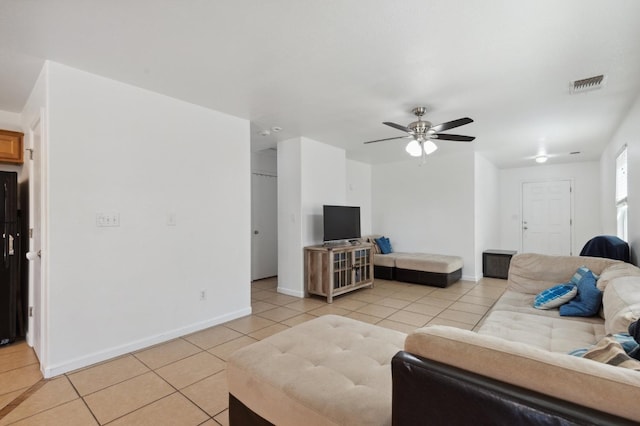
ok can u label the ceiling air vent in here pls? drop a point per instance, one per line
(587, 84)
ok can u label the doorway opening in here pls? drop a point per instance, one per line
(264, 214)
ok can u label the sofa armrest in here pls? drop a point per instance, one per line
(585, 382)
(426, 391)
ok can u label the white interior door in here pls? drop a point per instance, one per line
(546, 217)
(264, 232)
(34, 332)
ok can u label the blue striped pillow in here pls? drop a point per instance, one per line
(555, 296)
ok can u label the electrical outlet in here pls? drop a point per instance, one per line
(107, 219)
(203, 294)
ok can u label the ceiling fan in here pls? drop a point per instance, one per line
(421, 133)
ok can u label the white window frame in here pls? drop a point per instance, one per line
(622, 194)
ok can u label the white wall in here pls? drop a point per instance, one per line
(358, 192)
(628, 133)
(428, 208)
(586, 200)
(118, 148)
(290, 267)
(310, 174)
(324, 173)
(265, 161)
(487, 200)
(10, 121)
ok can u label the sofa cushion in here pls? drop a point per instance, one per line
(388, 260)
(581, 381)
(588, 300)
(331, 370)
(531, 272)
(555, 296)
(552, 334)
(621, 303)
(616, 271)
(429, 263)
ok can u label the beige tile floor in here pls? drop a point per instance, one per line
(183, 381)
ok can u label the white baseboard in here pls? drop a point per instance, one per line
(470, 278)
(84, 361)
(290, 292)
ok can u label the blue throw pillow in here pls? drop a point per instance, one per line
(555, 296)
(588, 300)
(384, 244)
(581, 272)
(388, 244)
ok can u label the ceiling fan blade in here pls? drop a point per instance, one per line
(388, 139)
(398, 126)
(457, 138)
(451, 124)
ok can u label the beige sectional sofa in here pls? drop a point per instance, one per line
(419, 268)
(335, 370)
(526, 347)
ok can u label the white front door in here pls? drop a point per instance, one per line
(546, 217)
(264, 222)
(34, 332)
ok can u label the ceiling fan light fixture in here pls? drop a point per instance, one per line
(421, 132)
(429, 147)
(414, 149)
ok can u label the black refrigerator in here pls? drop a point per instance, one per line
(10, 263)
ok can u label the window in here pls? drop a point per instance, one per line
(621, 193)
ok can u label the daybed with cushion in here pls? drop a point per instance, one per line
(515, 369)
(419, 268)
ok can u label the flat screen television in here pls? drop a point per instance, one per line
(341, 222)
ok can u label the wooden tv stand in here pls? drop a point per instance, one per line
(334, 270)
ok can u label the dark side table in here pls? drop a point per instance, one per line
(495, 263)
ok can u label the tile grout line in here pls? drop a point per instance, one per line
(66, 376)
(21, 398)
(112, 384)
(176, 390)
(197, 405)
(18, 368)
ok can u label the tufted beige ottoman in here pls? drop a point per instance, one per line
(331, 370)
(432, 269)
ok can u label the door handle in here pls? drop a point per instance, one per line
(256, 232)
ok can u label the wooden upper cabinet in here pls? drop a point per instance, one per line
(11, 147)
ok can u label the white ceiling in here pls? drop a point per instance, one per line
(333, 70)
